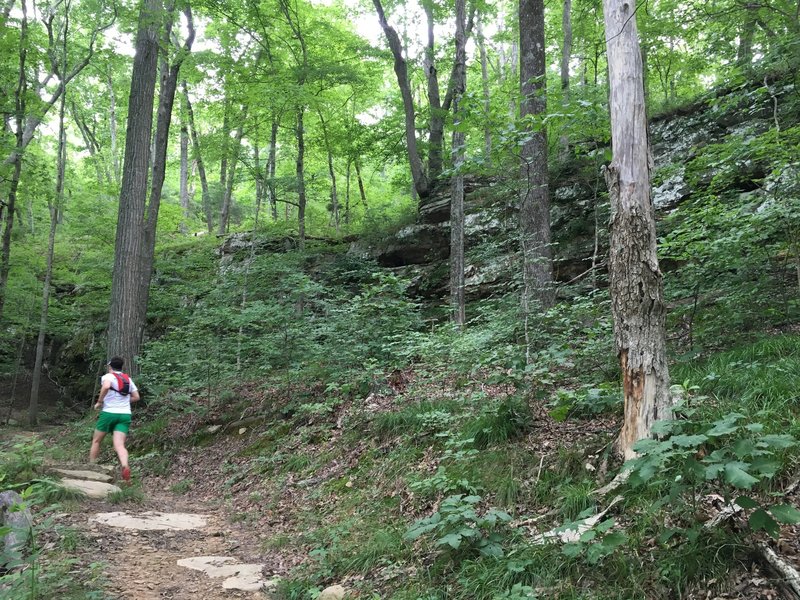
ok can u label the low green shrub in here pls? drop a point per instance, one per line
(734, 456)
(461, 530)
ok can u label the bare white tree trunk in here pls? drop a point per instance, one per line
(637, 296)
(457, 300)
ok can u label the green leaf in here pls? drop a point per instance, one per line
(663, 427)
(713, 471)
(517, 566)
(738, 477)
(493, 550)
(746, 502)
(694, 468)
(766, 467)
(760, 519)
(644, 446)
(743, 448)
(613, 540)
(725, 425)
(785, 513)
(689, 441)
(779, 441)
(667, 535)
(588, 536)
(572, 550)
(605, 525)
(452, 539)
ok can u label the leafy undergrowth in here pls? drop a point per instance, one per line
(436, 485)
(406, 460)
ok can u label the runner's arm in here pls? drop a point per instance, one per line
(135, 396)
(103, 391)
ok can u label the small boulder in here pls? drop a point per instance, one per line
(93, 489)
(334, 592)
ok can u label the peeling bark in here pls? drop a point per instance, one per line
(637, 295)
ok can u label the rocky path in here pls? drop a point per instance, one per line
(168, 546)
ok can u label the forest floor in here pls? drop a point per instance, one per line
(143, 564)
(270, 517)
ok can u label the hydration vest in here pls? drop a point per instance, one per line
(123, 383)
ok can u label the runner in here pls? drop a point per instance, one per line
(117, 391)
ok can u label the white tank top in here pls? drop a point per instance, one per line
(114, 402)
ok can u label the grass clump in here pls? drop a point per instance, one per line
(128, 494)
(500, 423)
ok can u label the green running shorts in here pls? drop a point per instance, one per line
(108, 422)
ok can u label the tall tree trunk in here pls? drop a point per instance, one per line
(435, 113)
(55, 207)
(112, 127)
(166, 99)
(487, 106)
(566, 54)
(421, 182)
(566, 48)
(637, 297)
(20, 93)
(124, 330)
(744, 53)
(184, 169)
(259, 178)
(273, 144)
(198, 158)
(512, 70)
(224, 143)
(331, 172)
(457, 300)
(347, 192)
(227, 196)
(534, 210)
(362, 192)
(301, 178)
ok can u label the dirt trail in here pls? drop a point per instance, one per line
(143, 565)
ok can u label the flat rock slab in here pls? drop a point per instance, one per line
(81, 466)
(238, 576)
(151, 521)
(87, 475)
(93, 489)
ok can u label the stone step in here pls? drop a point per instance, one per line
(93, 489)
(151, 521)
(84, 474)
(237, 576)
